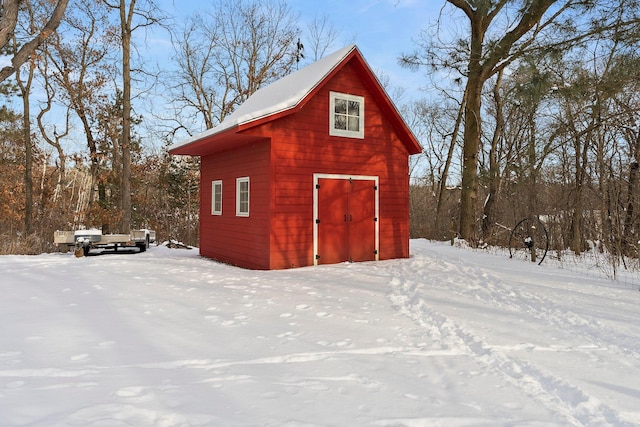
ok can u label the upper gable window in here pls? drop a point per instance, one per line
(346, 115)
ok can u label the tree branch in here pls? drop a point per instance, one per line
(28, 48)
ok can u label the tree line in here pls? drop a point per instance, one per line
(540, 119)
(77, 149)
(531, 109)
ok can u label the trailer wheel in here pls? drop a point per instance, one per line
(144, 246)
(529, 240)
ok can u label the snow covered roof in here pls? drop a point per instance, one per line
(284, 96)
(281, 95)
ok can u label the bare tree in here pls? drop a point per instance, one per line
(25, 93)
(228, 53)
(55, 138)
(322, 36)
(494, 178)
(26, 31)
(499, 33)
(77, 71)
(486, 58)
(197, 88)
(132, 17)
(597, 120)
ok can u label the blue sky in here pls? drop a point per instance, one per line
(382, 29)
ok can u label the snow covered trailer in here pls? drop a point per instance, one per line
(82, 241)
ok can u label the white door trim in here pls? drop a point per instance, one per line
(318, 176)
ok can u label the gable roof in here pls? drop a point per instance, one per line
(287, 95)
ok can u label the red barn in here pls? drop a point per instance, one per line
(312, 169)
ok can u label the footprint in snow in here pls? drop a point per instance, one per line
(128, 392)
(105, 344)
(289, 335)
(80, 357)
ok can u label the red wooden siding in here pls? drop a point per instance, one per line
(301, 146)
(281, 165)
(240, 241)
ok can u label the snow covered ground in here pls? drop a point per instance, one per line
(449, 337)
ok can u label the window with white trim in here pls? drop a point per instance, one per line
(242, 196)
(346, 115)
(216, 197)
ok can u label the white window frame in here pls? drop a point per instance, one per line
(214, 184)
(239, 208)
(332, 116)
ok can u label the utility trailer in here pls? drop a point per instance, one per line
(82, 241)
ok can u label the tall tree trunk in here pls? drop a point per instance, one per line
(472, 122)
(580, 177)
(472, 134)
(631, 199)
(576, 223)
(494, 167)
(28, 167)
(126, 17)
(483, 62)
(576, 218)
(25, 92)
(532, 199)
(94, 168)
(447, 164)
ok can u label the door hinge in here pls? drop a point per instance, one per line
(317, 256)
(317, 186)
(317, 221)
(375, 219)
(375, 187)
(375, 252)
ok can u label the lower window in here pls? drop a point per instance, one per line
(216, 198)
(242, 196)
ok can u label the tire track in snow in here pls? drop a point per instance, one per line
(481, 283)
(556, 394)
(561, 317)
